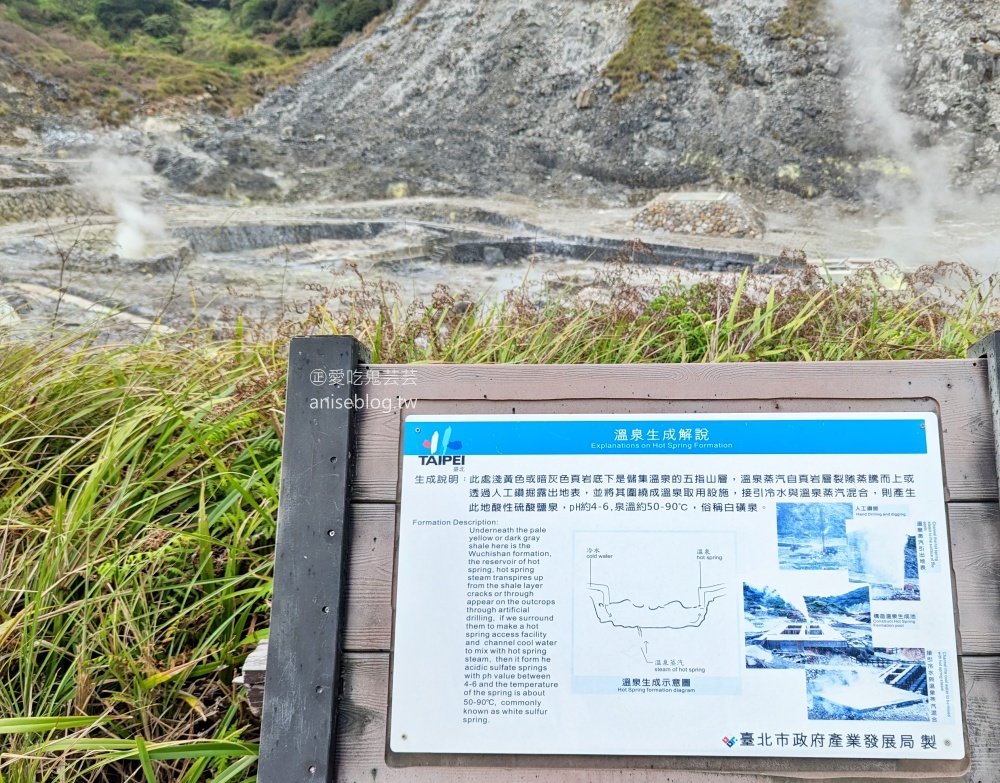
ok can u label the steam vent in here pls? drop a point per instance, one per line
(901, 685)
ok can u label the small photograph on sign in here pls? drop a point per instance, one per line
(848, 614)
(813, 536)
(892, 688)
(885, 557)
(800, 631)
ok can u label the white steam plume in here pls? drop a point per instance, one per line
(870, 29)
(935, 220)
(116, 183)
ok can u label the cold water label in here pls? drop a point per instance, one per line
(697, 585)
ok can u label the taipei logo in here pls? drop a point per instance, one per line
(435, 443)
(729, 741)
(439, 447)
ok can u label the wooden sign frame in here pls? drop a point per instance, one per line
(306, 663)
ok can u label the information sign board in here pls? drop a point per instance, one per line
(686, 585)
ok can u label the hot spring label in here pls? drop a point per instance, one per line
(697, 585)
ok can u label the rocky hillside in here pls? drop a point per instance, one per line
(768, 602)
(102, 62)
(467, 96)
(856, 601)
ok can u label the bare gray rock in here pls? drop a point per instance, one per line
(505, 86)
(833, 65)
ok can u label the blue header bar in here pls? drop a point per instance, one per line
(518, 435)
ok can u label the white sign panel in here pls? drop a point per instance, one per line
(698, 585)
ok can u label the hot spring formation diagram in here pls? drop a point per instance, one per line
(645, 597)
(674, 615)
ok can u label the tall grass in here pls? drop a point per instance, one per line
(137, 498)
(138, 483)
(877, 313)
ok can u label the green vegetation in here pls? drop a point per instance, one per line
(334, 17)
(349, 16)
(288, 43)
(121, 17)
(799, 17)
(802, 17)
(137, 497)
(243, 52)
(224, 53)
(323, 33)
(878, 313)
(663, 32)
(138, 482)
